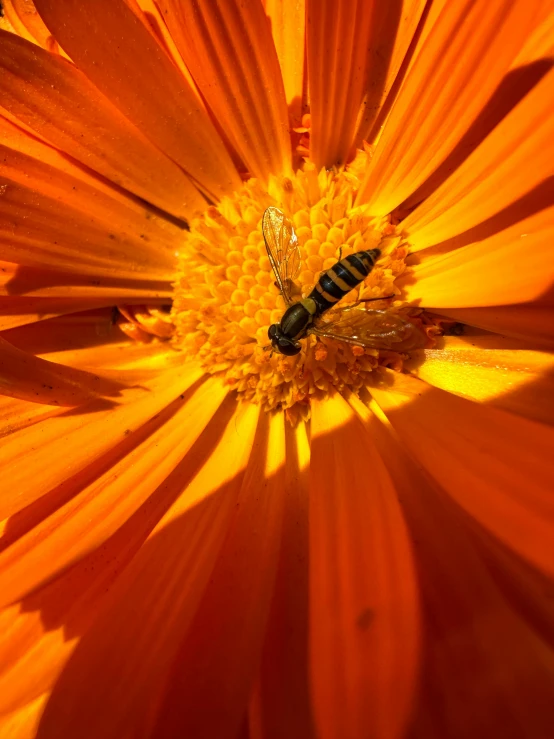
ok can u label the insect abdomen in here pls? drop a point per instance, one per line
(342, 277)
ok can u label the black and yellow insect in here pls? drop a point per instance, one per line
(377, 329)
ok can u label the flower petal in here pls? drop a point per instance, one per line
(533, 324)
(485, 671)
(496, 466)
(123, 659)
(409, 14)
(513, 266)
(288, 28)
(229, 51)
(28, 179)
(513, 163)
(30, 378)
(56, 101)
(492, 369)
(23, 16)
(354, 52)
(18, 281)
(40, 231)
(281, 707)
(363, 596)
(92, 510)
(207, 689)
(17, 311)
(23, 723)
(147, 88)
(465, 56)
(63, 446)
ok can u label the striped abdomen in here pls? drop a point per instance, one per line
(343, 277)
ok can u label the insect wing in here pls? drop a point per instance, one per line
(373, 329)
(282, 249)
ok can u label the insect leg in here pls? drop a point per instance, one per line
(368, 300)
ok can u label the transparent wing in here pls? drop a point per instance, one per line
(282, 249)
(373, 329)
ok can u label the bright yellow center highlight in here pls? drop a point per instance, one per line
(226, 297)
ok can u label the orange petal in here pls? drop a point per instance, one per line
(382, 72)
(513, 266)
(364, 616)
(57, 101)
(540, 43)
(28, 178)
(484, 669)
(36, 165)
(23, 723)
(37, 230)
(147, 88)
(30, 378)
(17, 414)
(492, 369)
(16, 281)
(149, 11)
(111, 686)
(354, 51)
(509, 166)
(89, 339)
(207, 689)
(533, 324)
(288, 28)
(282, 704)
(91, 513)
(230, 53)
(28, 24)
(465, 56)
(496, 466)
(16, 311)
(63, 446)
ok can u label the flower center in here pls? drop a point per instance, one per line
(226, 295)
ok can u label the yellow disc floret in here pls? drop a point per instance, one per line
(226, 296)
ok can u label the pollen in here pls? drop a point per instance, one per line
(226, 295)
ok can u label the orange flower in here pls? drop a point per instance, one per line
(201, 539)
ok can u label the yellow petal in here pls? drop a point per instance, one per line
(147, 87)
(513, 266)
(492, 369)
(496, 466)
(488, 188)
(364, 616)
(465, 56)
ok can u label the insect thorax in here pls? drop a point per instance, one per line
(297, 318)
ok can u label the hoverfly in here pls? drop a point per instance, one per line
(376, 329)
